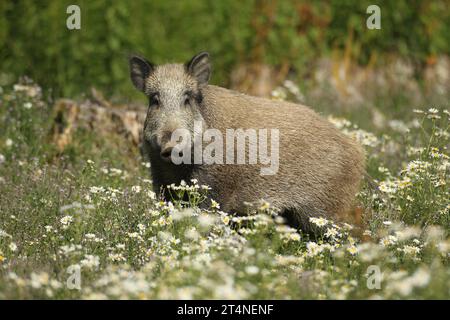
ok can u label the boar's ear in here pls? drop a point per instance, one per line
(199, 67)
(140, 69)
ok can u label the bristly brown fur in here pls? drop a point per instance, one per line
(320, 168)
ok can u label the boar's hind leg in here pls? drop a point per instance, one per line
(298, 218)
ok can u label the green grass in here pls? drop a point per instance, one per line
(93, 208)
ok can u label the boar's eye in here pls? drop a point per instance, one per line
(187, 98)
(154, 99)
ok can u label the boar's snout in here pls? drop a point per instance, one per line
(168, 149)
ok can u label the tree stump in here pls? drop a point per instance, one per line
(99, 115)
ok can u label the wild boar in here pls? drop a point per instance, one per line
(318, 169)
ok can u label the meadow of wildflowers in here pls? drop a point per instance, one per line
(85, 223)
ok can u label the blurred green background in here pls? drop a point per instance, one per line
(291, 34)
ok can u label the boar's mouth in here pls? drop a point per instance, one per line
(166, 153)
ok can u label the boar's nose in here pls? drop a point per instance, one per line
(166, 153)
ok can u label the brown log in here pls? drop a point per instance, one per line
(97, 114)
